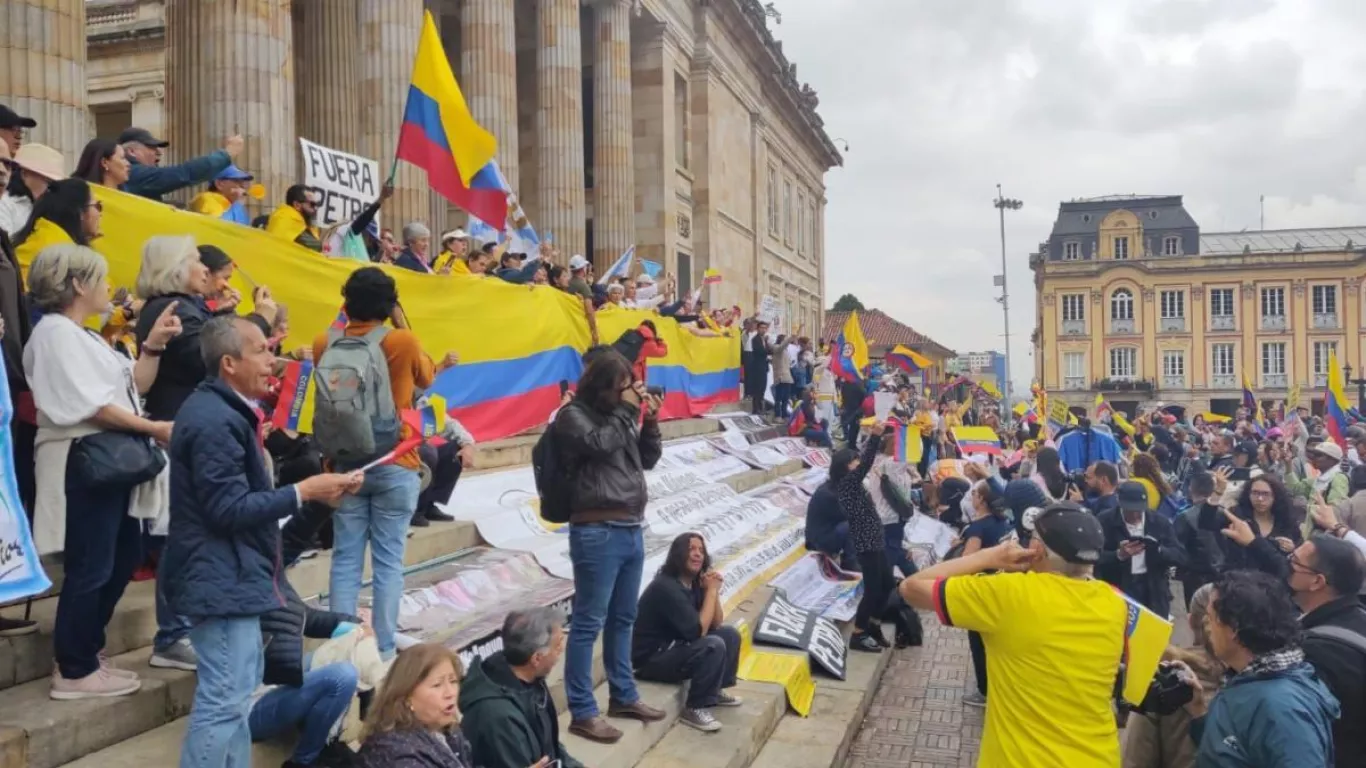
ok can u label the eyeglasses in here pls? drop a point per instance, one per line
(1261, 494)
(1295, 563)
(97, 205)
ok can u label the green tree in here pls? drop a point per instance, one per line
(847, 303)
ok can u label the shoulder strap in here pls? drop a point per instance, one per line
(333, 334)
(1342, 635)
(377, 333)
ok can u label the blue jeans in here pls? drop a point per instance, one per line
(819, 435)
(314, 709)
(171, 627)
(378, 514)
(894, 535)
(231, 664)
(607, 562)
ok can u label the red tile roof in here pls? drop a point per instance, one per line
(884, 332)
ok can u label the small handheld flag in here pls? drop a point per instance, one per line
(294, 386)
(849, 358)
(1336, 406)
(908, 444)
(711, 277)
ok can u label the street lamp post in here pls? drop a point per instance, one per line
(1360, 384)
(1002, 203)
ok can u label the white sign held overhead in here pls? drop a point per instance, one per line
(348, 182)
(771, 313)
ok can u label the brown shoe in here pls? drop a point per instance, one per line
(597, 729)
(635, 711)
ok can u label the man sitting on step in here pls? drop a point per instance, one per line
(506, 710)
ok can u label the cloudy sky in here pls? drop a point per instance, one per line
(940, 100)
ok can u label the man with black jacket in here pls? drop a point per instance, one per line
(1326, 574)
(756, 372)
(1204, 553)
(1139, 550)
(506, 708)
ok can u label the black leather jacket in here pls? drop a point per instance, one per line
(607, 456)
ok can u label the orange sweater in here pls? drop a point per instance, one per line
(409, 369)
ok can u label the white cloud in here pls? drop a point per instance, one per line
(1217, 100)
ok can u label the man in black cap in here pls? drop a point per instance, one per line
(148, 178)
(12, 127)
(514, 268)
(1047, 630)
(1140, 549)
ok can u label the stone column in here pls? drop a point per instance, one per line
(328, 61)
(559, 126)
(489, 65)
(614, 188)
(230, 69)
(42, 47)
(389, 31)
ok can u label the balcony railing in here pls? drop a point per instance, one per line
(1273, 322)
(1173, 324)
(1173, 382)
(1274, 380)
(1122, 326)
(1074, 327)
(1124, 384)
(1326, 320)
(1223, 380)
(1074, 382)
(1222, 323)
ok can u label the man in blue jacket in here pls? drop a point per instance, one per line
(222, 558)
(1084, 446)
(1272, 711)
(148, 178)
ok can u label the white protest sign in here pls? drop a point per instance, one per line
(769, 312)
(348, 182)
(882, 404)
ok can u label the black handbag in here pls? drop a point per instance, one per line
(119, 459)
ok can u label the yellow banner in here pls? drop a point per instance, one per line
(790, 670)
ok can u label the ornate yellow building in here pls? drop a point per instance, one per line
(678, 126)
(1135, 303)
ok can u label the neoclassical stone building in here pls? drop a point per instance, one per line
(676, 125)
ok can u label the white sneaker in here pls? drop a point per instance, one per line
(724, 699)
(108, 666)
(96, 685)
(700, 719)
(180, 655)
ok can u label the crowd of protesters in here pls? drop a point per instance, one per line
(152, 413)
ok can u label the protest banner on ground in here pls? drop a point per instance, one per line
(348, 182)
(790, 670)
(21, 572)
(817, 584)
(785, 624)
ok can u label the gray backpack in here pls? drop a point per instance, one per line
(354, 419)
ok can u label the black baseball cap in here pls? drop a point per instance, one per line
(11, 119)
(1133, 497)
(141, 136)
(1071, 531)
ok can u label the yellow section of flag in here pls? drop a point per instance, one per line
(470, 145)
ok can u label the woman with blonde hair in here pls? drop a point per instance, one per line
(1148, 473)
(89, 505)
(414, 720)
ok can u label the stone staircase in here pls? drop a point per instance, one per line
(146, 728)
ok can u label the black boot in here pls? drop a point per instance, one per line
(435, 515)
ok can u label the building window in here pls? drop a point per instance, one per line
(1071, 251)
(772, 201)
(1074, 370)
(1173, 305)
(684, 273)
(1273, 358)
(1325, 299)
(1323, 352)
(787, 212)
(789, 318)
(681, 121)
(1123, 362)
(801, 222)
(1073, 307)
(1221, 359)
(1121, 247)
(1122, 305)
(811, 223)
(1221, 302)
(1273, 302)
(1171, 246)
(1173, 364)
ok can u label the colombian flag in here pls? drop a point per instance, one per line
(977, 440)
(907, 360)
(797, 423)
(1253, 407)
(296, 398)
(440, 136)
(908, 444)
(849, 358)
(1145, 638)
(1335, 403)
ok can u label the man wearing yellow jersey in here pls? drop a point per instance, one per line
(1054, 638)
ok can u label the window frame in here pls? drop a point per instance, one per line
(1232, 306)
(1178, 355)
(1266, 358)
(1132, 353)
(1128, 302)
(1321, 363)
(1178, 298)
(1071, 250)
(1171, 245)
(1079, 300)
(1067, 358)
(1329, 294)
(1232, 359)
(1115, 249)
(1279, 293)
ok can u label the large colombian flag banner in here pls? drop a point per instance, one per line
(1335, 402)
(516, 343)
(440, 136)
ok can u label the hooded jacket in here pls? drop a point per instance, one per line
(1270, 720)
(510, 724)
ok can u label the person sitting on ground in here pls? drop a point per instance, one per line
(808, 426)
(827, 525)
(1023, 619)
(1140, 549)
(313, 700)
(1326, 576)
(295, 220)
(1164, 741)
(224, 197)
(1272, 711)
(679, 635)
(103, 162)
(507, 711)
(149, 178)
(414, 720)
(446, 462)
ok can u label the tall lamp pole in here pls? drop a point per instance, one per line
(1360, 385)
(1003, 203)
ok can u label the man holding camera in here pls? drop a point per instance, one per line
(1054, 638)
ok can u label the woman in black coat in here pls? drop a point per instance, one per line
(866, 539)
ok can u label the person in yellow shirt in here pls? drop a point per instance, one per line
(454, 245)
(1054, 639)
(294, 221)
(224, 197)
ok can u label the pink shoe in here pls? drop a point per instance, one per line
(96, 685)
(108, 666)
